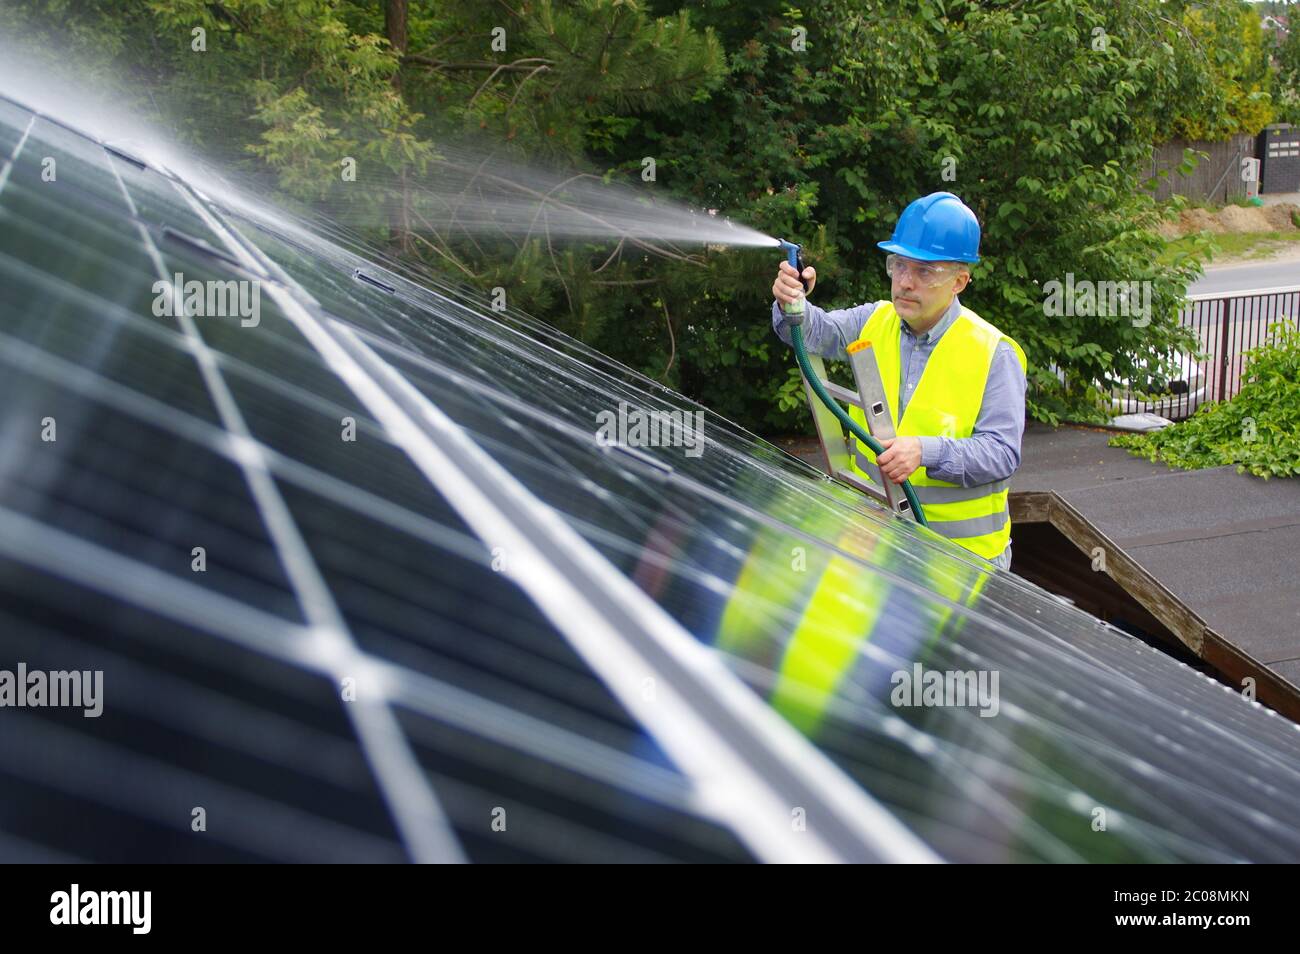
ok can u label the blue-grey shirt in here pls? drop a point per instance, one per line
(992, 452)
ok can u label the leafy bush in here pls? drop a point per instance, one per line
(818, 122)
(1258, 430)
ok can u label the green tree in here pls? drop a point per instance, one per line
(293, 88)
(817, 122)
(1234, 97)
(1286, 73)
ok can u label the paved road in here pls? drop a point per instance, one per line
(1248, 277)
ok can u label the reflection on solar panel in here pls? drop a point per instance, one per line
(363, 584)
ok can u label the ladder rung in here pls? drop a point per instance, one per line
(841, 393)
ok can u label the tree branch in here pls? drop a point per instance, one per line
(450, 258)
(672, 355)
(514, 67)
(611, 256)
(519, 89)
(546, 225)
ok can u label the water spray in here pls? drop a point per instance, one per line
(794, 315)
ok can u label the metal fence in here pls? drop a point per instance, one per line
(1226, 325)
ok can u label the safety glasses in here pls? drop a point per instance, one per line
(929, 274)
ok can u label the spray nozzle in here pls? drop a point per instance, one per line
(794, 313)
(793, 256)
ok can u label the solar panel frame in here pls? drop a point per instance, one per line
(627, 558)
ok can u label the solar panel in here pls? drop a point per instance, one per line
(439, 619)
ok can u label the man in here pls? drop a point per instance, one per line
(956, 384)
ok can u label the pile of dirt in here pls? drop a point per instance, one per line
(1200, 220)
(1238, 219)
(1282, 216)
(1233, 218)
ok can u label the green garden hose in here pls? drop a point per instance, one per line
(857, 430)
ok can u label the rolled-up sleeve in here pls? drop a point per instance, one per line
(825, 333)
(992, 452)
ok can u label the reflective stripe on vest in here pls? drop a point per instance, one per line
(946, 403)
(931, 494)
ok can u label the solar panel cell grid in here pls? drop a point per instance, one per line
(358, 673)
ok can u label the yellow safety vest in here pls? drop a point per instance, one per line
(946, 403)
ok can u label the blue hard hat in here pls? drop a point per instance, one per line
(936, 228)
